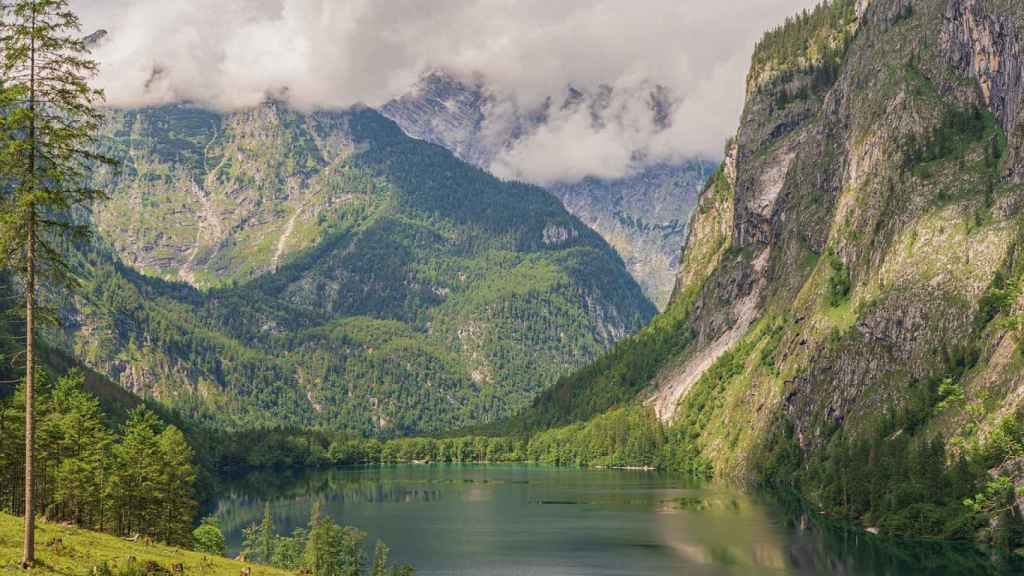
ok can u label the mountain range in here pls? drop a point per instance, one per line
(324, 269)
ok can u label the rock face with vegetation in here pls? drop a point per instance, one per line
(324, 269)
(847, 316)
(642, 215)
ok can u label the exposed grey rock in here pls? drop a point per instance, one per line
(982, 39)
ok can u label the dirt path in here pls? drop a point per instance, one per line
(289, 227)
(678, 382)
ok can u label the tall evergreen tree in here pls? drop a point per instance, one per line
(49, 143)
(266, 541)
(135, 485)
(82, 449)
(176, 487)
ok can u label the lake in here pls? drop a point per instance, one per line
(544, 521)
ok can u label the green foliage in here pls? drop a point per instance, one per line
(838, 280)
(951, 394)
(141, 481)
(325, 549)
(612, 380)
(626, 437)
(1001, 294)
(208, 538)
(431, 295)
(812, 43)
(333, 550)
(48, 135)
(707, 396)
(898, 478)
(1005, 442)
(995, 506)
(957, 131)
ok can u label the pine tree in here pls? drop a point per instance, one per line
(380, 559)
(134, 486)
(177, 480)
(49, 143)
(82, 445)
(266, 537)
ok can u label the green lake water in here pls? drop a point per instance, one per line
(542, 521)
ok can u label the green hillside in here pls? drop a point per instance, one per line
(343, 275)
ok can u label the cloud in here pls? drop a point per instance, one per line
(229, 54)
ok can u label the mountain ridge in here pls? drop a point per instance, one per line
(351, 277)
(642, 214)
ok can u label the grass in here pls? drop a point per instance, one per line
(69, 551)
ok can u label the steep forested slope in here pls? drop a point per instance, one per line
(642, 215)
(848, 308)
(332, 271)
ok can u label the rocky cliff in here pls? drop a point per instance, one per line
(868, 204)
(847, 315)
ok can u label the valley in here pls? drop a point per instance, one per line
(515, 320)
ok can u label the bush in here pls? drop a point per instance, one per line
(838, 280)
(209, 539)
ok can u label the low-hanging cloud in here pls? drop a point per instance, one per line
(229, 54)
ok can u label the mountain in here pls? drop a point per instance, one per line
(324, 269)
(846, 318)
(642, 215)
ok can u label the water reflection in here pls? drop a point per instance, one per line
(511, 520)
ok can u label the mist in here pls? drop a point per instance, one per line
(230, 54)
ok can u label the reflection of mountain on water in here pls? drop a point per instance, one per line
(765, 534)
(501, 520)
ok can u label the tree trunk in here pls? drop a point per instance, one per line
(30, 289)
(30, 297)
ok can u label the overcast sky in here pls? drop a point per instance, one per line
(335, 53)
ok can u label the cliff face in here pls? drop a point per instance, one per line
(848, 251)
(642, 215)
(208, 199)
(982, 40)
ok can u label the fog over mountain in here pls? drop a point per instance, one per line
(323, 53)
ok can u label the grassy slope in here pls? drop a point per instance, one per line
(80, 550)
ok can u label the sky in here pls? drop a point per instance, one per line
(230, 54)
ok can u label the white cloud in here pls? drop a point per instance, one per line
(335, 53)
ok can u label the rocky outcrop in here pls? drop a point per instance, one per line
(642, 216)
(229, 197)
(95, 39)
(983, 39)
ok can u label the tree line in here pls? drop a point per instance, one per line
(136, 481)
(624, 437)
